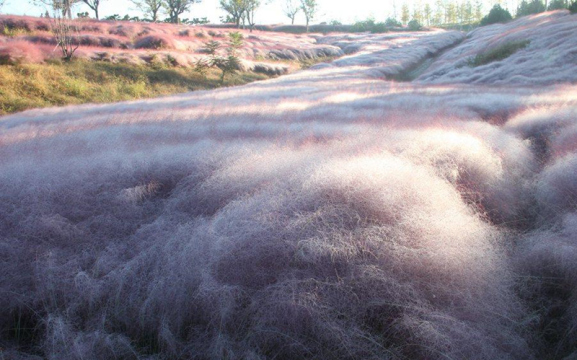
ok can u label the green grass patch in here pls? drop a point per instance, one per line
(498, 53)
(28, 86)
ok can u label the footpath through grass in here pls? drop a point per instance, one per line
(28, 86)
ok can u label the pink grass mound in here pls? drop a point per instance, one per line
(155, 42)
(19, 51)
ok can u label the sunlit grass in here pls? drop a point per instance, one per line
(27, 86)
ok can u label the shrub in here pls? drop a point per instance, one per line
(392, 22)
(414, 25)
(498, 53)
(362, 26)
(496, 15)
(228, 64)
(369, 25)
(114, 17)
(195, 21)
(573, 7)
(379, 27)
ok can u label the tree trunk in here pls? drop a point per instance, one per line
(96, 13)
(67, 9)
(307, 25)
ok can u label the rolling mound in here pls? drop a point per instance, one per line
(29, 39)
(549, 56)
(326, 214)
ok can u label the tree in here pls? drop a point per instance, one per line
(478, 15)
(427, 13)
(414, 25)
(310, 9)
(2, 2)
(451, 13)
(496, 15)
(235, 8)
(291, 9)
(64, 35)
(249, 10)
(467, 12)
(439, 12)
(93, 4)
(417, 14)
(405, 13)
(175, 8)
(151, 8)
(573, 7)
(557, 5)
(228, 64)
(529, 8)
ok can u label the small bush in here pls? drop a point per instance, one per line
(379, 28)
(499, 53)
(573, 7)
(414, 25)
(369, 25)
(392, 22)
(496, 15)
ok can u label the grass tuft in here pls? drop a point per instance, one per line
(499, 53)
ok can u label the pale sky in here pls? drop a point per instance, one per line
(342, 10)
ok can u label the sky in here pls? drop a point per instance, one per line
(270, 13)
